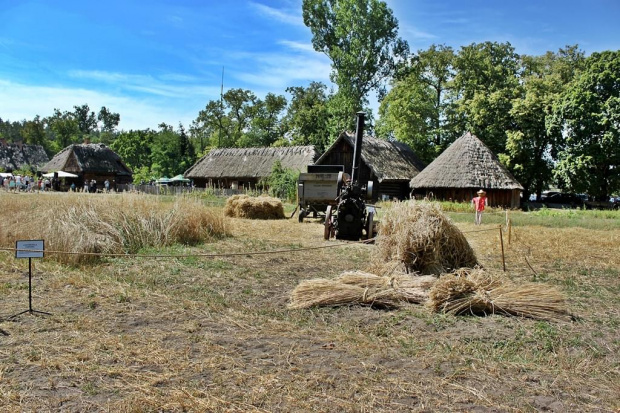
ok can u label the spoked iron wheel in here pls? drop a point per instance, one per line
(328, 227)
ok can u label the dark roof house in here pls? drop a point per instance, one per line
(17, 155)
(91, 161)
(390, 165)
(465, 167)
(245, 167)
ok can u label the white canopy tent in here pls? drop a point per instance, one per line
(61, 174)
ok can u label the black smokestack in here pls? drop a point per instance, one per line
(357, 150)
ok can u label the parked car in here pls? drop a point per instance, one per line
(560, 198)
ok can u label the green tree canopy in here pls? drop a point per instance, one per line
(587, 117)
(361, 39)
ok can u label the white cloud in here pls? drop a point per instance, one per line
(280, 15)
(168, 85)
(25, 102)
(304, 47)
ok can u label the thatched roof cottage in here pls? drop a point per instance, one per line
(17, 155)
(390, 165)
(462, 169)
(245, 167)
(91, 161)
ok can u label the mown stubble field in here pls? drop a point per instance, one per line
(214, 334)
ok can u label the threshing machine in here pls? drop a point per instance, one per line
(349, 218)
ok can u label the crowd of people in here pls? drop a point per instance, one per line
(26, 183)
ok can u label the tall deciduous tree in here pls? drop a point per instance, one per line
(85, 118)
(486, 81)
(588, 117)
(361, 39)
(530, 146)
(65, 129)
(419, 109)
(307, 115)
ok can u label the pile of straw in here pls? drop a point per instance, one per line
(262, 207)
(418, 237)
(359, 288)
(476, 292)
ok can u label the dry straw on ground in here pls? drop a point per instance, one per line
(262, 207)
(108, 224)
(477, 292)
(359, 288)
(418, 237)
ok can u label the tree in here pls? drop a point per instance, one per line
(240, 104)
(530, 146)
(419, 109)
(65, 129)
(486, 82)
(587, 117)
(33, 131)
(361, 39)
(186, 152)
(265, 125)
(86, 120)
(212, 127)
(306, 116)
(134, 147)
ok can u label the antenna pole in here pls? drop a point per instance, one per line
(219, 136)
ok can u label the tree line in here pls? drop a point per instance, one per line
(552, 119)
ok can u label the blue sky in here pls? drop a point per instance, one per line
(161, 60)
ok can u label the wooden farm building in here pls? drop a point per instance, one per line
(17, 155)
(462, 169)
(390, 165)
(91, 161)
(237, 168)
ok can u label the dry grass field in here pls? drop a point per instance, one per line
(210, 330)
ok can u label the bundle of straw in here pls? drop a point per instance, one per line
(476, 292)
(418, 237)
(262, 207)
(359, 288)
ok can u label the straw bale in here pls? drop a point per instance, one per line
(418, 237)
(477, 292)
(262, 207)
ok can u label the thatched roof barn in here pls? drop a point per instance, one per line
(91, 161)
(462, 169)
(390, 165)
(244, 167)
(17, 155)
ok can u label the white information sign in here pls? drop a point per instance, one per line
(29, 249)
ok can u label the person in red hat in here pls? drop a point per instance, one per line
(479, 203)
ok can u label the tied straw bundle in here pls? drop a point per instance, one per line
(476, 292)
(359, 288)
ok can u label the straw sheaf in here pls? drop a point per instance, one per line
(262, 207)
(418, 237)
(476, 292)
(467, 163)
(251, 162)
(360, 288)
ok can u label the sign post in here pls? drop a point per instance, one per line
(29, 249)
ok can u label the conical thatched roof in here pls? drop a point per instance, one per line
(467, 163)
(250, 162)
(17, 155)
(386, 159)
(95, 158)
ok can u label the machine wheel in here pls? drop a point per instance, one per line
(327, 230)
(370, 225)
